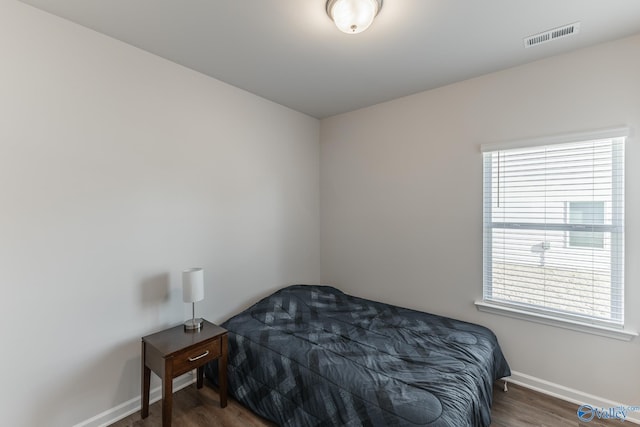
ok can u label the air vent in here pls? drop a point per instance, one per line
(556, 33)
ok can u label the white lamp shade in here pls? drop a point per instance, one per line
(193, 285)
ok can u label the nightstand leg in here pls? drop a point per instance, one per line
(167, 393)
(200, 380)
(146, 382)
(222, 372)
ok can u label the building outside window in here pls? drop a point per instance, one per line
(585, 213)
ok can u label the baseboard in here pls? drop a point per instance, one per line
(569, 394)
(129, 407)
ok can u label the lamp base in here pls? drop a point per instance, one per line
(193, 325)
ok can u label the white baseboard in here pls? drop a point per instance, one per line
(569, 394)
(127, 408)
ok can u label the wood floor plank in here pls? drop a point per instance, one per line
(522, 407)
(198, 408)
(519, 407)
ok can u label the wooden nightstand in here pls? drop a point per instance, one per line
(174, 352)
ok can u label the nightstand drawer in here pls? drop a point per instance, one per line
(195, 357)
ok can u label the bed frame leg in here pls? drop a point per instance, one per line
(506, 389)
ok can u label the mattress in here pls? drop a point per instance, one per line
(315, 356)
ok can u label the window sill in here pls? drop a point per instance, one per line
(559, 322)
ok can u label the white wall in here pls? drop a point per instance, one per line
(401, 201)
(118, 169)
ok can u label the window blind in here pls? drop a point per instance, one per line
(554, 228)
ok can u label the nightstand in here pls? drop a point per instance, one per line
(174, 352)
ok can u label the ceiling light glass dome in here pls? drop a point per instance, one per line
(353, 16)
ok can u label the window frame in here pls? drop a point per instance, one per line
(613, 328)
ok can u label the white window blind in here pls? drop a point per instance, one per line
(554, 228)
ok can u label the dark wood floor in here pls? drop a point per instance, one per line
(519, 407)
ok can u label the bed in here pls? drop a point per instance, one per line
(315, 356)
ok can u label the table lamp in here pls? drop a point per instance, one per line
(192, 291)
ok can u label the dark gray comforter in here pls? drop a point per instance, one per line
(314, 356)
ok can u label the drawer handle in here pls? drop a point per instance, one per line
(193, 359)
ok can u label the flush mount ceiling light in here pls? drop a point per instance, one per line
(353, 16)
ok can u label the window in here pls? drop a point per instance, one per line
(554, 227)
(586, 213)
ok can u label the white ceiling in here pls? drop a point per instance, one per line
(289, 51)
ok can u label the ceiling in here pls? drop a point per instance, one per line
(290, 52)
